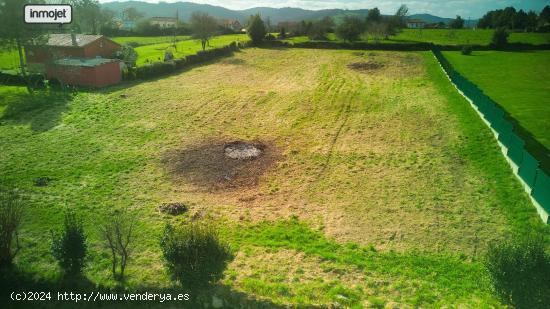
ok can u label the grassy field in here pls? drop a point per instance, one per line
(448, 37)
(151, 48)
(9, 59)
(516, 80)
(148, 40)
(383, 187)
(155, 52)
(467, 36)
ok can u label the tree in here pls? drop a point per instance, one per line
(87, 15)
(500, 37)
(256, 29)
(69, 245)
(282, 33)
(457, 23)
(131, 14)
(374, 16)
(544, 16)
(118, 234)
(350, 29)
(11, 214)
(397, 21)
(400, 17)
(14, 33)
(203, 27)
(318, 30)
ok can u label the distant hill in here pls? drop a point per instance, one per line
(436, 19)
(185, 9)
(276, 15)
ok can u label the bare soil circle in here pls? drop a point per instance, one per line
(222, 165)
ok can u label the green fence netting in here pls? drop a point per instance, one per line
(528, 167)
(541, 190)
(515, 153)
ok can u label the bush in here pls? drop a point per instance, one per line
(500, 37)
(127, 54)
(69, 245)
(256, 29)
(466, 50)
(519, 271)
(155, 69)
(270, 37)
(11, 213)
(194, 254)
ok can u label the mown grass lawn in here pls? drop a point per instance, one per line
(519, 81)
(446, 37)
(148, 40)
(387, 190)
(155, 52)
(9, 59)
(467, 36)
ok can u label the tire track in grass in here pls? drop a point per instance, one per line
(342, 117)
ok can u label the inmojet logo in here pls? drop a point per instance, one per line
(48, 14)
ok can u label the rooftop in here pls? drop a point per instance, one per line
(80, 62)
(64, 39)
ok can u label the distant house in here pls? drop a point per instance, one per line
(164, 22)
(232, 24)
(416, 24)
(67, 52)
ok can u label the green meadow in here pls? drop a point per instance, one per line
(155, 52)
(518, 81)
(148, 40)
(447, 37)
(379, 186)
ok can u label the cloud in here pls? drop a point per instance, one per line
(443, 8)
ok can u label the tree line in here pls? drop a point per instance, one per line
(512, 19)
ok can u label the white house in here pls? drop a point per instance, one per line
(164, 22)
(416, 23)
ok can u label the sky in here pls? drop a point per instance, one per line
(444, 8)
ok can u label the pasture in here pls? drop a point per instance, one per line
(155, 52)
(516, 80)
(148, 40)
(9, 59)
(467, 36)
(380, 185)
(446, 37)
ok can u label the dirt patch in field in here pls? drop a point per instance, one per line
(173, 209)
(223, 165)
(366, 66)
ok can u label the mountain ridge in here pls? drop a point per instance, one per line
(275, 15)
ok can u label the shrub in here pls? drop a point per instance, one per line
(69, 245)
(127, 54)
(500, 37)
(256, 29)
(11, 213)
(270, 37)
(194, 254)
(519, 271)
(180, 63)
(466, 50)
(155, 69)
